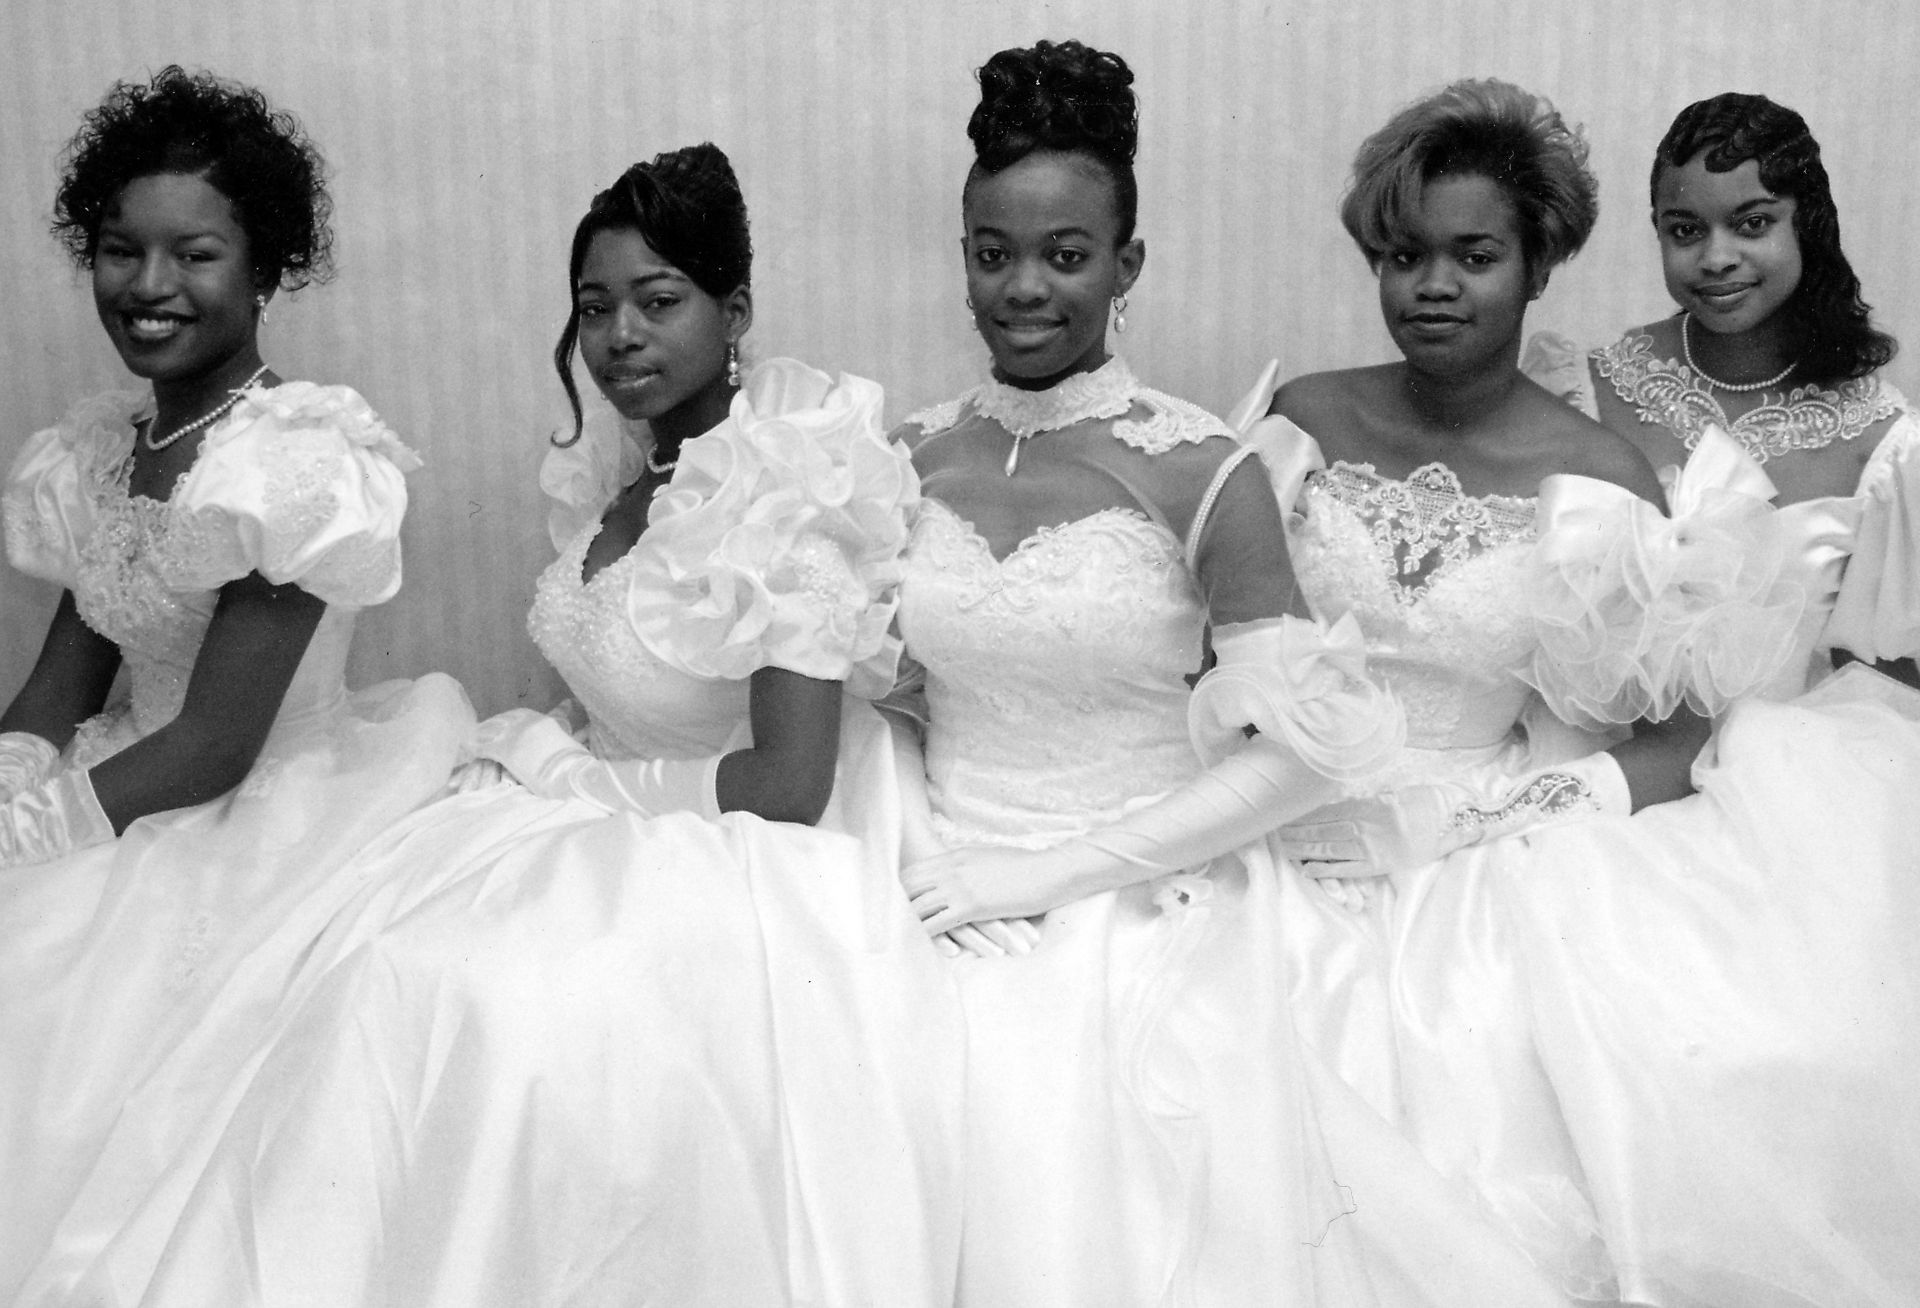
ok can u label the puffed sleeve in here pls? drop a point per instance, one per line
(302, 483)
(47, 504)
(1555, 363)
(1637, 612)
(581, 479)
(1877, 615)
(778, 542)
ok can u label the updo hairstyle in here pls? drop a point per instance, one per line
(1831, 323)
(686, 205)
(198, 125)
(1063, 97)
(1475, 128)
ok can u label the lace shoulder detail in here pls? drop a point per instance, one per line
(1637, 613)
(1669, 394)
(778, 541)
(1427, 521)
(50, 501)
(1877, 614)
(1167, 422)
(301, 483)
(944, 416)
(581, 479)
(1556, 364)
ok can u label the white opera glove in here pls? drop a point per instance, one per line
(54, 818)
(1419, 824)
(542, 756)
(25, 761)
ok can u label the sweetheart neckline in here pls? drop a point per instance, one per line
(1042, 535)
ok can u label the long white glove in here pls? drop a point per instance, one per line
(25, 761)
(1320, 716)
(544, 758)
(1420, 824)
(54, 818)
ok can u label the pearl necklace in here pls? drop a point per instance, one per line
(233, 398)
(1686, 351)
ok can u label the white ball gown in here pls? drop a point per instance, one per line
(1729, 1000)
(138, 977)
(589, 1057)
(1143, 1125)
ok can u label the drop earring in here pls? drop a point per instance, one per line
(733, 365)
(260, 303)
(1119, 313)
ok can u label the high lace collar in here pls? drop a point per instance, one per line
(1107, 392)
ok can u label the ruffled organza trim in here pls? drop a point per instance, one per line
(301, 483)
(778, 541)
(583, 478)
(1877, 614)
(1638, 613)
(1302, 683)
(48, 503)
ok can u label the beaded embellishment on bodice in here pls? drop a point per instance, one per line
(1669, 394)
(638, 705)
(1434, 577)
(1056, 677)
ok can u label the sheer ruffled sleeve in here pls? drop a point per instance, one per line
(301, 483)
(1555, 363)
(1638, 613)
(1304, 684)
(1877, 615)
(47, 504)
(581, 479)
(778, 542)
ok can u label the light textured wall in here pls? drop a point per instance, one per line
(465, 137)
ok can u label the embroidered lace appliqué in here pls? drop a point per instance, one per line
(1667, 392)
(1109, 391)
(1426, 522)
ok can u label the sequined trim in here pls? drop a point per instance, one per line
(1668, 393)
(1426, 514)
(1551, 794)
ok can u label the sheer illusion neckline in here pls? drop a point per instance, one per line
(1424, 525)
(1041, 537)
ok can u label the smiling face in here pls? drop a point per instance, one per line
(1727, 245)
(1455, 295)
(653, 341)
(174, 285)
(1043, 265)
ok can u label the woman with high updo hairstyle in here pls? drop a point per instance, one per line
(1140, 1127)
(641, 1009)
(1772, 916)
(169, 849)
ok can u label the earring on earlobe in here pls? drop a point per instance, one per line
(1119, 313)
(260, 303)
(733, 365)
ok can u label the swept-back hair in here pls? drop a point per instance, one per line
(1481, 128)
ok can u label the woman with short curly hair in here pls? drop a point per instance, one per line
(167, 852)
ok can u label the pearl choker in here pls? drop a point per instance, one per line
(221, 411)
(1686, 351)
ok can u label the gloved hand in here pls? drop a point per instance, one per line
(25, 761)
(1415, 825)
(53, 818)
(543, 757)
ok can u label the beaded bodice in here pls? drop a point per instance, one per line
(1435, 578)
(637, 704)
(1056, 677)
(1669, 394)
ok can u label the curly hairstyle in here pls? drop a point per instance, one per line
(1482, 128)
(1066, 97)
(1830, 321)
(200, 125)
(686, 205)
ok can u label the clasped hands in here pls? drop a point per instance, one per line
(986, 899)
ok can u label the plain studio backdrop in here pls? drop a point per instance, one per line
(465, 137)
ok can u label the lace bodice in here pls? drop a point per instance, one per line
(1437, 580)
(301, 483)
(1056, 678)
(776, 544)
